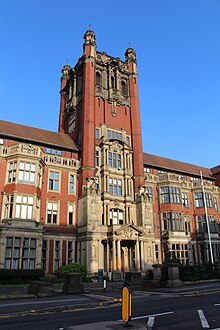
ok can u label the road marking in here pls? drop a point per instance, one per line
(146, 316)
(203, 319)
(150, 322)
(216, 304)
(43, 302)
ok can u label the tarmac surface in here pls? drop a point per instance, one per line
(97, 295)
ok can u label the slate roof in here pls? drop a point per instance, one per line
(59, 140)
(172, 165)
(37, 135)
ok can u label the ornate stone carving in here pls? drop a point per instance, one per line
(116, 146)
(130, 231)
(91, 185)
(89, 37)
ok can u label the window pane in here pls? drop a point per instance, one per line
(23, 211)
(8, 252)
(25, 199)
(21, 166)
(21, 176)
(55, 185)
(27, 166)
(9, 241)
(30, 212)
(32, 177)
(17, 211)
(33, 243)
(25, 253)
(32, 253)
(17, 241)
(30, 200)
(26, 176)
(16, 252)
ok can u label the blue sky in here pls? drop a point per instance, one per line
(178, 53)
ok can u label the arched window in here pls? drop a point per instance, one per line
(114, 79)
(124, 87)
(98, 79)
(113, 85)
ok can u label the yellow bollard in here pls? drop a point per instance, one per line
(126, 304)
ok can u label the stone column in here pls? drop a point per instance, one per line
(38, 253)
(142, 256)
(104, 215)
(78, 252)
(126, 266)
(106, 183)
(3, 250)
(126, 214)
(119, 254)
(107, 256)
(113, 255)
(137, 255)
(87, 256)
(100, 255)
(207, 253)
(130, 259)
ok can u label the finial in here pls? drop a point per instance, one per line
(89, 37)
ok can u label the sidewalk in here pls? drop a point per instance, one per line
(113, 289)
(21, 291)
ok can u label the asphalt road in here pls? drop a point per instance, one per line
(180, 309)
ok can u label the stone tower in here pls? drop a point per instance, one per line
(99, 109)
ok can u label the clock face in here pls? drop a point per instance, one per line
(72, 123)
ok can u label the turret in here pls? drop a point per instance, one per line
(64, 78)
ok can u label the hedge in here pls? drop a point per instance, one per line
(20, 276)
(198, 272)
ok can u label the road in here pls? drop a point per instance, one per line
(162, 310)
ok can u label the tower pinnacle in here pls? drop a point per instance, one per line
(89, 38)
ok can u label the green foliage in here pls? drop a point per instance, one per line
(71, 268)
(149, 274)
(90, 279)
(170, 258)
(198, 272)
(20, 276)
(52, 279)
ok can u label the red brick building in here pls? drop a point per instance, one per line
(89, 194)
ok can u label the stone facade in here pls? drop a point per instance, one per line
(89, 194)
